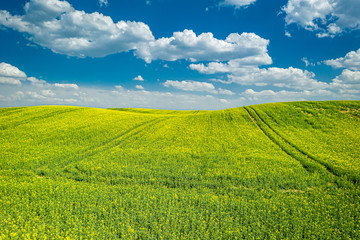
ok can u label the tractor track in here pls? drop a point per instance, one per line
(307, 161)
(109, 144)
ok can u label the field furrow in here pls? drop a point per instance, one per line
(113, 142)
(309, 163)
(324, 132)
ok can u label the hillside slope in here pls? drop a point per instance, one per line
(285, 170)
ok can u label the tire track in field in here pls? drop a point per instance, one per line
(132, 132)
(328, 168)
(40, 117)
(111, 143)
(308, 162)
(6, 112)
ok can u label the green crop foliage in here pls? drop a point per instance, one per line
(271, 171)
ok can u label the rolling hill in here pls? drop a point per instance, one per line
(271, 171)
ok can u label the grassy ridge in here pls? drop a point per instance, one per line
(272, 171)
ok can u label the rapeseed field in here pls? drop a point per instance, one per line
(271, 171)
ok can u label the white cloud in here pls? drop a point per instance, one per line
(347, 82)
(282, 96)
(237, 3)
(35, 95)
(103, 3)
(140, 87)
(211, 68)
(7, 70)
(63, 85)
(6, 80)
(350, 61)
(192, 86)
(304, 12)
(326, 17)
(58, 26)
(138, 78)
(41, 11)
(246, 72)
(48, 93)
(232, 66)
(349, 77)
(225, 92)
(195, 86)
(37, 82)
(243, 74)
(292, 78)
(119, 88)
(10, 74)
(204, 47)
(307, 63)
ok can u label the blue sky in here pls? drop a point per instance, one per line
(171, 54)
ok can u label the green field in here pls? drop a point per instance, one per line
(272, 171)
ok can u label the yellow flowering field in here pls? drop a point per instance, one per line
(272, 171)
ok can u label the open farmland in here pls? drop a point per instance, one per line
(272, 171)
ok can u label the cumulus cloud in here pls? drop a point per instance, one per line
(237, 3)
(48, 93)
(292, 78)
(204, 47)
(326, 17)
(7, 70)
(247, 72)
(243, 74)
(58, 26)
(140, 87)
(6, 80)
(138, 78)
(225, 92)
(350, 61)
(41, 11)
(10, 74)
(67, 85)
(193, 86)
(37, 82)
(307, 62)
(119, 88)
(34, 91)
(103, 3)
(349, 77)
(347, 82)
(281, 96)
(232, 66)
